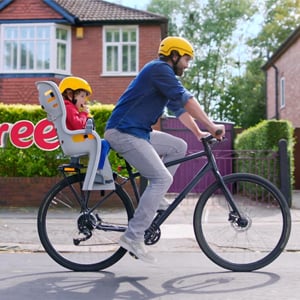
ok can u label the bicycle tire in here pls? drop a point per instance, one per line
(63, 221)
(257, 242)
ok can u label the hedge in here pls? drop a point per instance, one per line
(32, 161)
(265, 136)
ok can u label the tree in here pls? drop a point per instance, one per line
(209, 26)
(244, 101)
(211, 30)
(281, 18)
(227, 87)
(170, 9)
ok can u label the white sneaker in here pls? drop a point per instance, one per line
(137, 249)
(164, 204)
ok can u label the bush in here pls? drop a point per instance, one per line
(33, 161)
(263, 138)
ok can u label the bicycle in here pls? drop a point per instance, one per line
(241, 221)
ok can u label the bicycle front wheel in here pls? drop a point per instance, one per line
(253, 237)
(79, 229)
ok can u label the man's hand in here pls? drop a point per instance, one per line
(218, 131)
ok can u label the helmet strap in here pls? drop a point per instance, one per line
(73, 100)
(175, 62)
(171, 57)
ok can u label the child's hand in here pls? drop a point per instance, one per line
(85, 108)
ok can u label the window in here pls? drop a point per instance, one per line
(120, 50)
(282, 92)
(35, 48)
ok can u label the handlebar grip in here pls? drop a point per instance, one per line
(218, 132)
(211, 139)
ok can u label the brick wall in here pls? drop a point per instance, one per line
(87, 63)
(289, 69)
(24, 191)
(20, 90)
(271, 107)
(32, 9)
(86, 60)
(30, 192)
(107, 89)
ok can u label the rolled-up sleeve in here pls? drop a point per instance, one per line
(167, 83)
(178, 106)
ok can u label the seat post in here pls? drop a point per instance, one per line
(74, 160)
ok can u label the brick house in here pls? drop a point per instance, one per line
(49, 39)
(283, 89)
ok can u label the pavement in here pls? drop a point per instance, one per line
(183, 272)
(18, 229)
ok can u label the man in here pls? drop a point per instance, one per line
(129, 132)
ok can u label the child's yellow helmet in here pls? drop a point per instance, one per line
(74, 83)
(175, 43)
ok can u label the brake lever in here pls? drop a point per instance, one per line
(211, 139)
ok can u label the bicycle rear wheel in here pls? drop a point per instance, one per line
(80, 230)
(247, 243)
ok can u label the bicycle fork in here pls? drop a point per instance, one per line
(235, 217)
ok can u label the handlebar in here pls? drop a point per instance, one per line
(211, 139)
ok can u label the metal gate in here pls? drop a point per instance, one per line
(264, 163)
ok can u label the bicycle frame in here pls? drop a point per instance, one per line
(210, 165)
(221, 229)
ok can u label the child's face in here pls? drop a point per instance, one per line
(81, 98)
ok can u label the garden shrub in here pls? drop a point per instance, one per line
(264, 139)
(33, 161)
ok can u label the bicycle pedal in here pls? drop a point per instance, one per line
(133, 255)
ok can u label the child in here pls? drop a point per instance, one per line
(75, 92)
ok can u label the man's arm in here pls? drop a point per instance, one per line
(194, 111)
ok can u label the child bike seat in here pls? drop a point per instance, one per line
(83, 142)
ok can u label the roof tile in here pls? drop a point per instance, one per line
(99, 11)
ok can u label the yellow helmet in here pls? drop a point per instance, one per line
(175, 43)
(74, 83)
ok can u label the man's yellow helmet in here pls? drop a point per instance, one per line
(179, 44)
(74, 83)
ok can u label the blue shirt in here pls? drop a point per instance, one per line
(140, 106)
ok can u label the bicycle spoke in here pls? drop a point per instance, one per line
(75, 236)
(249, 242)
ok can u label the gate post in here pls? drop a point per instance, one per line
(284, 171)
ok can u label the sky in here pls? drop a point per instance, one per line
(138, 4)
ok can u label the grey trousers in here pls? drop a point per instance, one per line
(148, 159)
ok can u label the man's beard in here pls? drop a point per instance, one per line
(178, 71)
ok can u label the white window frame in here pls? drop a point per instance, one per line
(119, 46)
(282, 92)
(53, 49)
